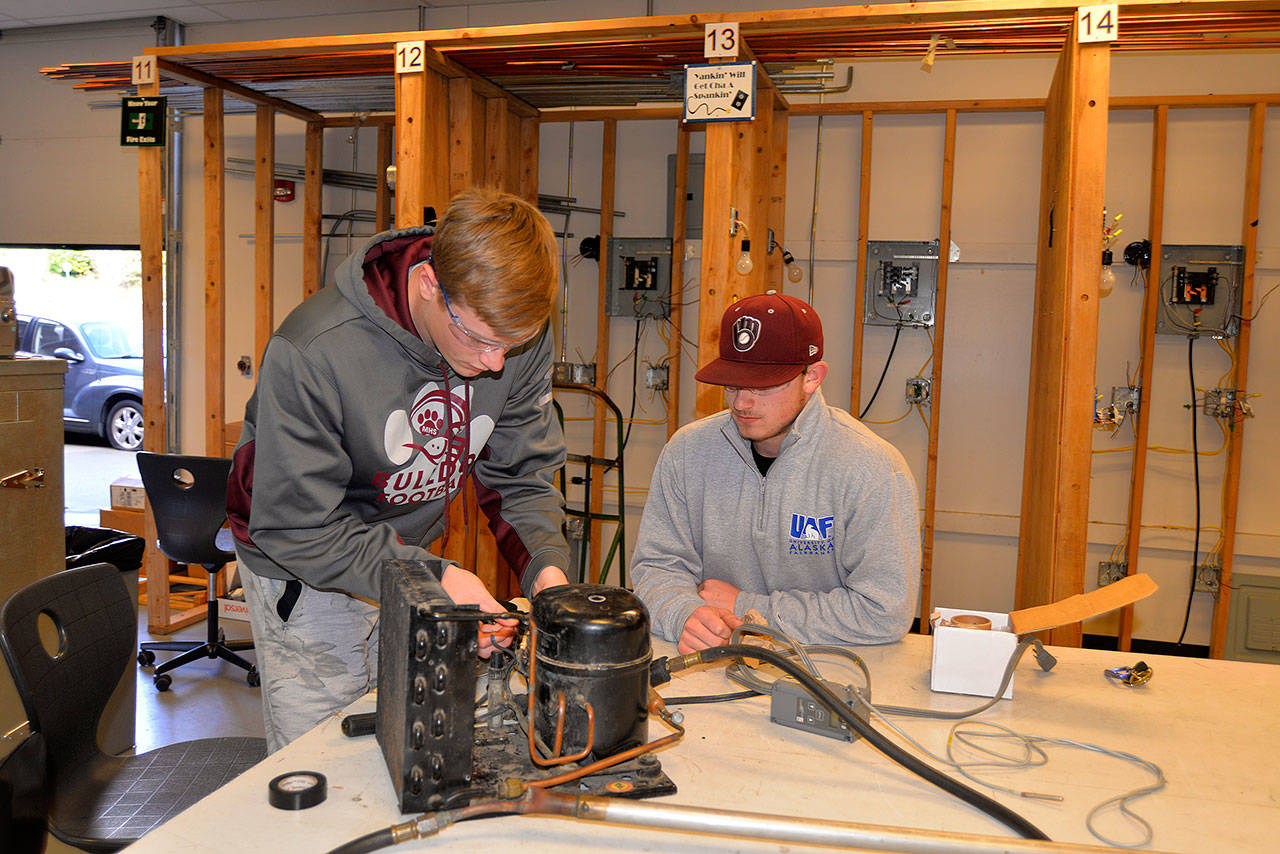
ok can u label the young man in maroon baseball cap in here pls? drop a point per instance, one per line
(780, 503)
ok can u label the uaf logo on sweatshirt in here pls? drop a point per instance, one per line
(811, 535)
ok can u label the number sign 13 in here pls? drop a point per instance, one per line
(1097, 23)
(721, 40)
(410, 57)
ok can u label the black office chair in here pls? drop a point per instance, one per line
(188, 497)
(67, 639)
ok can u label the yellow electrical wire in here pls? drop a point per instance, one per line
(910, 406)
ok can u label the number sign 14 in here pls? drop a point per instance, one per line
(1097, 23)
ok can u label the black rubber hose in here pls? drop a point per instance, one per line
(974, 798)
(709, 698)
(374, 841)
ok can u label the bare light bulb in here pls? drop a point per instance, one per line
(745, 265)
(794, 273)
(1107, 281)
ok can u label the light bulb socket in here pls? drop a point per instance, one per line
(746, 245)
(1107, 257)
(788, 258)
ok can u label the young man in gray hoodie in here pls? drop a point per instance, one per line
(429, 359)
(779, 504)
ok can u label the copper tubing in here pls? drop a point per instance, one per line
(555, 758)
(657, 707)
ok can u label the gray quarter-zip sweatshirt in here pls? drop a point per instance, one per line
(826, 547)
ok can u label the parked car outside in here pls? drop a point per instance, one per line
(104, 374)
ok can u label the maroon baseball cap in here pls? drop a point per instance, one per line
(765, 340)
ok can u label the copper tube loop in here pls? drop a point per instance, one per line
(555, 758)
(658, 708)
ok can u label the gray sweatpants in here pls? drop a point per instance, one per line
(317, 662)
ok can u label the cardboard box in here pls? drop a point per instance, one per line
(127, 494)
(232, 609)
(972, 661)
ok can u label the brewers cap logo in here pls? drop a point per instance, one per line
(746, 331)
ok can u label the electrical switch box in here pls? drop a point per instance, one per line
(919, 390)
(793, 706)
(900, 283)
(1200, 290)
(639, 277)
(656, 377)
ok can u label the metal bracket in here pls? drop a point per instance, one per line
(32, 478)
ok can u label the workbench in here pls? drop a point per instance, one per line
(1212, 725)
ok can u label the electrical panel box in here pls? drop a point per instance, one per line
(639, 277)
(1200, 290)
(901, 283)
(1111, 571)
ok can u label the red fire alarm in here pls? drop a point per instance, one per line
(282, 190)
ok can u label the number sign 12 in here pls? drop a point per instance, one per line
(143, 70)
(1097, 23)
(721, 40)
(410, 57)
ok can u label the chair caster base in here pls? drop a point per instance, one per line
(163, 681)
(253, 678)
(146, 658)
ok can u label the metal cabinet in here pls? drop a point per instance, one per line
(32, 533)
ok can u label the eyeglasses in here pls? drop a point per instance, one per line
(469, 338)
(732, 390)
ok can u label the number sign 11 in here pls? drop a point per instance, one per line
(721, 40)
(1097, 23)
(143, 70)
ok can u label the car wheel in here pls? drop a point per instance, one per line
(124, 426)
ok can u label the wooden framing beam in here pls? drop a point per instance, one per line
(264, 239)
(1053, 535)
(859, 293)
(361, 120)
(382, 197)
(775, 155)
(312, 199)
(422, 145)
(1150, 310)
(215, 273)
(608, 184)
(679, 227)
(718, 196)
(935, 397)
(497, 129)
(466, 129)
(1235, 450)
(527, 158)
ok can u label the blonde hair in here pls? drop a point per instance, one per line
(496, 254)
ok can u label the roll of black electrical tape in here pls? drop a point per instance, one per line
(297, 790)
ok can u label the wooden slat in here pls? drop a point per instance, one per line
(935, 396)
(151, 244)
(464, 126)
(1235, 452)
(514, 177)
(361, 120)
(1053, 536)
(497, 129)
(264, 230)
(718, 256)
(1150, 309)
(434, 156)
(382, 198)
(752, 192)
(775, 154)
(859, 293)
(313, 197)
(608, 182)
(215, 272)
(679, 226)
(411, 119)
(527, 159)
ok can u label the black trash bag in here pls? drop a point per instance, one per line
(103, 545)
(24, 797)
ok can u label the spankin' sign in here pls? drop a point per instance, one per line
(723, 92)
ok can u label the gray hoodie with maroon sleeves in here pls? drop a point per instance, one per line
(358, 434)
(826, 546)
